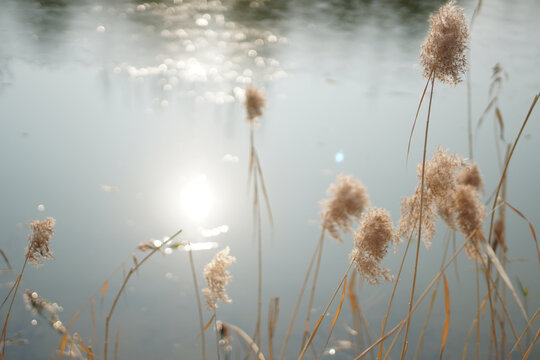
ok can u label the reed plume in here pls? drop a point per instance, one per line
(470, 215)
(471, 175)
(38, 241)
(217, 277)
(348, 200)
(443, 52)
(254, 102)
(371, 242)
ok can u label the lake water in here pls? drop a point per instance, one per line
(125, 122)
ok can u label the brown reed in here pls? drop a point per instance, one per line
(371, 243)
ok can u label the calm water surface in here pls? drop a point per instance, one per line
(124, 121)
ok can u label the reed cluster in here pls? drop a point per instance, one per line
(450, 188)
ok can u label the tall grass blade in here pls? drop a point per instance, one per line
(273, 314)
(524, 332)
(498, 266)
(416, 117)
(207, 325)
(253, 346)
(447, 318)
(530, 227)
(464, 357)
(532, 345)
(65, 336)
(336, 316)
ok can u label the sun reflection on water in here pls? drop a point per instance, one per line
(197, 199)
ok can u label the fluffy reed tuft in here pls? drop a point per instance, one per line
(217, 277)
(410, 213)
(38, 241)
(371, 243)
(441, 180)
(255, 102)
(348, 200)
(443, 52)
(471, 175)
(470, 214)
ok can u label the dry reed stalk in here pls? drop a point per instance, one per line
(313, 287)
(496, 198)
(255, 101)
(116, 341)
(199, 308)
(124, 283)
(37, 250)
(273, 314)
(432, 301)
(443, 58)
(298, 301)
(404, 348)
(316, 328)
(533, 318)
(464, 357)
(385, 318)
(242, 334)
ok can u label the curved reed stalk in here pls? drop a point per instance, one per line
(313, 286)
(385, 318)
(404, 348)
(299, 300)
(16, 286)
(432, 301)
(128, 276)
(304, 349)
(199, 308)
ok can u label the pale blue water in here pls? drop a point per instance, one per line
(109, 111)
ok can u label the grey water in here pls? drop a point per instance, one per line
(125, 122)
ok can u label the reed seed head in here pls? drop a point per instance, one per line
(443, 51)
(255, 102)
(349, 198)
(371, 242)
(470, 215)
(38, 241)
(410, 213)
(217, 277)
(471, 175)
(441, 180)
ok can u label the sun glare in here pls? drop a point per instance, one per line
(196, 198)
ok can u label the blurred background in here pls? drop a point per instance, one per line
(125, 122)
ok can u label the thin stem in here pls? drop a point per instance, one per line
(324, 313)
(404, 348)
(217, 334)
(300, 296)
(131, 271)
(199, 308)
(385, 319)
(433, 297)
(4, 331)
(313, 286)
(477, 345)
